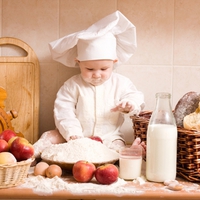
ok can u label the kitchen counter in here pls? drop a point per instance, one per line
(66, 188)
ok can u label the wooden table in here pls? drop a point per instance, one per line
(121, 190)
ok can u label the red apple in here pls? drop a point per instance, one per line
(96, 138)
(3, 146)
(22, 149)
(106, 174)
(83, 171)
(11, 140)
(7, 134)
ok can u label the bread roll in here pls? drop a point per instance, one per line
(175, 186)
(186, 105)
(192, 121)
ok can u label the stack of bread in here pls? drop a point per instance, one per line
(187, 111)
(192, 121)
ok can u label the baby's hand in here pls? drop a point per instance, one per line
(124, 107)
(137, 141)
(74, 137)
(117, 145)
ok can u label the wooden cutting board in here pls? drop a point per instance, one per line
(19, 76)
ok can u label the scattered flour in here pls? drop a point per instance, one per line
(46, 186)
(96, 152)
(80, 149)
(140, 180)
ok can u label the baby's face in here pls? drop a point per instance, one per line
(96, 72)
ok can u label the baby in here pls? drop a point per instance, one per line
(94, 102)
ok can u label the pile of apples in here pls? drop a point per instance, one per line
(14, 148)
(83, 172)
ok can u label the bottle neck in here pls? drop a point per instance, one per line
(163, 111)
(163, 103)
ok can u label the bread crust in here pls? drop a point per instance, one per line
(186, 105)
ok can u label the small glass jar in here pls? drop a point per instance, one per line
(130, 162)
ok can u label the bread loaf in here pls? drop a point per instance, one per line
(192, 121)
(185, 106)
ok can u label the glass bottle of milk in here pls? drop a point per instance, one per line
(162, 134)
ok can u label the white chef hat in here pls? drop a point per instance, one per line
(113, 37)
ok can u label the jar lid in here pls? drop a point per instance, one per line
(134, 150)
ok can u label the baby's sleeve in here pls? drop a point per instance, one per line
(65, 111)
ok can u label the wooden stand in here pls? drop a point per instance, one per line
(19, 75)
(5, 117)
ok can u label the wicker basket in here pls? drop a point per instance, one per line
(14, 174)
(188, 147)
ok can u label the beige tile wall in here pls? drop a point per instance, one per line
(168, 36)
(0, 20)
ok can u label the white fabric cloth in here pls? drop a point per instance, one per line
(84, 110)
(64, 50)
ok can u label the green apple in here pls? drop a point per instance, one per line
(7, 158)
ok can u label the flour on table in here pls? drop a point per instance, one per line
(42, 185)
(79, 149)
(140, 180)
(46, 186)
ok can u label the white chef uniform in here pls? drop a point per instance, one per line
(83, 109)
